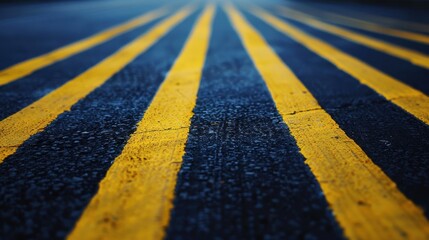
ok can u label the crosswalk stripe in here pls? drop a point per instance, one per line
(135, 197)
(27, 67)
(414, 57)
(404, 96)
(365, 201)
(369, 26)
(17, 128)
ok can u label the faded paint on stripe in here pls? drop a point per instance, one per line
(404, 96)
(364, 200)
(412, 56)
(135, 198)
(371, 27)
(27, 67)
(17, 128)
(407, 25)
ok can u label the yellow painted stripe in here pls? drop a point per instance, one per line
(407, 25)
(27, 67)
(369, 26)
(17, 128)
(364, 200)
(135, 198)
(406, 97)
(414, 57)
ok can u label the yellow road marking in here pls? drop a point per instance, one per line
(135, 198)
(369, 26)
(408, 25)
(415, 57)
(27, 67)
(17, 128)
(406, 97)
(365, 201)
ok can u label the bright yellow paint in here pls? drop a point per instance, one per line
(372, 27)
(364, 200)
(18, 127)
(406, 97)
(27, 67)
(415, 57)
(135, 198)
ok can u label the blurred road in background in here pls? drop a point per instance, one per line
(214, 120)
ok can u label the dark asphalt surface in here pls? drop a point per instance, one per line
(242, 176)
(248, 168)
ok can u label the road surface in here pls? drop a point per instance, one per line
(213, 120)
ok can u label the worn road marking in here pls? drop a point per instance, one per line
(365, 201)
(414, 57)
(135, 198)
(408, 25)
(406, 97)
(17, 128)
(27, 67)
(369, 26)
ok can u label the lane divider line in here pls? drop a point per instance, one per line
(369, 26)
(404, 24)
(409, 99)
(29, 66)
(135, 198)
(391, 22)
(365, 202)
(412, 56)
(17, 128)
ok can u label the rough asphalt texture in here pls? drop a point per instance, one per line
(242, 175)
(52, 177)
(248, 168)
